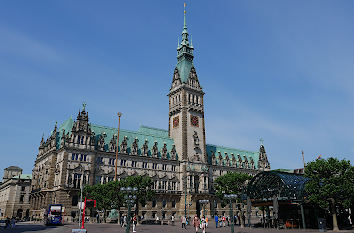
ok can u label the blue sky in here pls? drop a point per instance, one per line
(280, 70)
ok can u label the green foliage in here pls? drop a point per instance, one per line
(231, 183)
(143, 184)
(108, 196)
(330, 179)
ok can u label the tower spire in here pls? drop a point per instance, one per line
(184, 53)
(185, 31)
(185, 25)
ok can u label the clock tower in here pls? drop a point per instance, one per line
(186, 107)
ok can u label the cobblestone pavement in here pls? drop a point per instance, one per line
(114, 228)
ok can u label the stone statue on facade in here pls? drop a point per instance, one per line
(145, 148)
(100, 143)
(173, 152)
(135, 147)
(196, 140)
(155, 150)
(164, 151)
(124, 145)
(112, 143)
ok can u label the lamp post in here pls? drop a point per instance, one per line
(115, 174)
(130, 198)
(231, 197)
(185, 196)
(81, 191)
(204, 202)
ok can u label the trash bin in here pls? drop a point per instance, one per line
(322, 224)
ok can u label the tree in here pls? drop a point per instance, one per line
(331, 183)
(231, 183)
(144, 193)
(108, 196)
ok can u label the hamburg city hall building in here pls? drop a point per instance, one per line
(181, 164)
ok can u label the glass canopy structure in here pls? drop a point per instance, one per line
(267, 185)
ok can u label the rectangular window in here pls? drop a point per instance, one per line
(164, 167)
(155, 166)
(72, 156)
(112, 161)
(134, 163)
(77, 180)
(173, 168)
(110, 178)
(163, 203)
(21, 198)
(154, 203)
(173, 204)
(81, 157)
(85, 157)
(98, 179)
(75, 200)
(23, 188)
(99, 160)
(122, 162)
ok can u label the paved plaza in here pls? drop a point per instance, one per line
(114, 228)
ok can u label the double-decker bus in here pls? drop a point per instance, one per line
(54, 215)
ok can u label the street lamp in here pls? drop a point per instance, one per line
(115, 174)
(231, 197)
(81, 191)
(204, 202)
(130, 198)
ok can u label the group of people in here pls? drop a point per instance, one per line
(222, 221)
(123, 221)
(198, 223)
(10, 223)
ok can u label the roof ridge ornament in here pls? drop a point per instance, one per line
(83, 106)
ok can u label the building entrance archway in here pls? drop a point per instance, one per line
(19, 213)
(198, 208)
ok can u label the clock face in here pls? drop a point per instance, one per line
(175, 122)
(195, 121)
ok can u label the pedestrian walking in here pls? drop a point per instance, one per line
(206, 222)
(13, 222)
(196, 223)
(135, 221)
(173, 220)
(98, 218)
(125, 220)
(7, 222)
(121, 220)
(203, 225)
(223, 220)
(216, 218)
(184, 221)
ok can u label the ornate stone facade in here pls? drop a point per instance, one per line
(181, 164)
(15, 191)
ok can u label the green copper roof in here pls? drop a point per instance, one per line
(184, 55)
(23, 177)
(184, 69)
(215, 149)
(152, 135)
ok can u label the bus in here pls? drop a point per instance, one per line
(54, 215)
